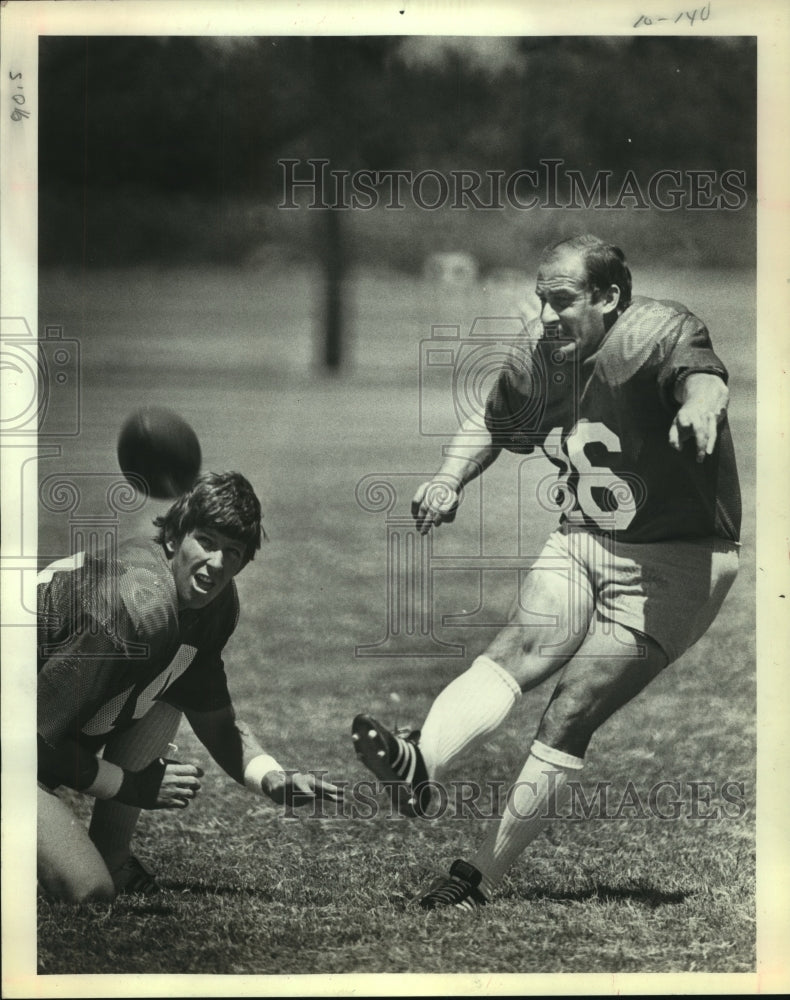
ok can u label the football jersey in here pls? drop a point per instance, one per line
(604, 422)
(111, 641)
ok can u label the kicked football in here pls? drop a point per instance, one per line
(160, 448)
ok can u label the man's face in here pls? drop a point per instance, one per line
(567, 306)
(203, 564)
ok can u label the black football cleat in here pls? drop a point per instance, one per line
(458, 889)
(133, 878)
(396, 761)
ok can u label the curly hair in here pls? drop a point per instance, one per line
(222, 501)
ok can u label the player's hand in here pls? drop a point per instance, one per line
(292, 788)
(164, 784)
(180, 784)
(435, 502)
(698, 418)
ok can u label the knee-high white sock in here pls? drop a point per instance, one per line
(466, 711)
(543, 778)
(113, 823)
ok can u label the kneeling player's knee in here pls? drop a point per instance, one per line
(98, 891)
(97, 888)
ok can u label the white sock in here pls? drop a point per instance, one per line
(113, 823)
(543, 777)
(466, 711)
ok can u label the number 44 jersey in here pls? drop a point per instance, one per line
(605, 424)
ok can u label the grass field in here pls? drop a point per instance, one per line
(250, 891)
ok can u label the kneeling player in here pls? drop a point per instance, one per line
(127, 642)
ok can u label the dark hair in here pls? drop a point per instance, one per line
(222, 501)
(605, 264)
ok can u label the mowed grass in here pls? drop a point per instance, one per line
(249, 890)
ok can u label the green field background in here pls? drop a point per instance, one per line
(235, 350)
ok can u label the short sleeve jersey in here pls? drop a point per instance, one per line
(605, 424)
(111, 641)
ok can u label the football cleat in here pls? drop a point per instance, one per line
(458, 889)
(133, 878)
(395, 760)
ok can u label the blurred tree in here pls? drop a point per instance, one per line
(346, 92)
(130, 126)
(212, 116)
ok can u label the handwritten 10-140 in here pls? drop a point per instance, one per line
(703, 13)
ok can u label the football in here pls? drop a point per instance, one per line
(160, 448)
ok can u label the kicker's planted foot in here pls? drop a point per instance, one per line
(458, 889)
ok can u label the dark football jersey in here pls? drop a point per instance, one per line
(111, 641)
(604, 422)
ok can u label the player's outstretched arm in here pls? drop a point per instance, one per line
(163, 784)
(234, 747)
(293, 788)
(703, 399)
(471, 451)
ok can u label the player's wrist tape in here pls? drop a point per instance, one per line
(141, 788)
(108, 781)
(66, 764)
(257, 769)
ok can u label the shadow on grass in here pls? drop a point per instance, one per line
(606, 894)
(137, 907)
(201, 889)
(651, 898)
